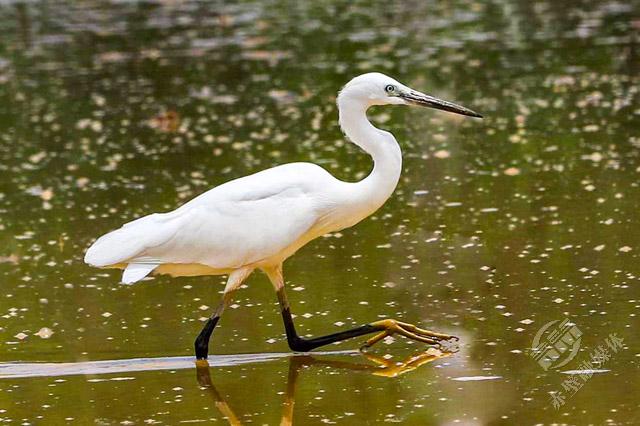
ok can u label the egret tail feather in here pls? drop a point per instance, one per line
(136, 271)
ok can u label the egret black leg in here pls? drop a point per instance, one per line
(233, 282)
(202, 341)
(300, 344)
(383, 328)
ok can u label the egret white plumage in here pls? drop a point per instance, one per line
(258, 221)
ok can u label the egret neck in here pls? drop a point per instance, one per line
(371, 192)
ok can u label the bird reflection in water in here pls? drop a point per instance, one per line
(379, 366)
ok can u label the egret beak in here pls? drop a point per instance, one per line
(414, 97)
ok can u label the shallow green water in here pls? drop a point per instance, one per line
(109, 111)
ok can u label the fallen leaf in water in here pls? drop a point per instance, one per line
(225, 20)
(271, 56)
(283, 96)
(47, 194)
(36, 158)
(434, 352)
(12, 258)
(443, 153)
(253, 42)
(168, 121)
(111, 57)
(223, 99)
(44, 333)
(81, 182)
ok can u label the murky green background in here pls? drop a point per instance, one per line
(113, 110)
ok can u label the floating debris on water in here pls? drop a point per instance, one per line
(44, 333)
(475, 378)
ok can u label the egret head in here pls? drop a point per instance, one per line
(378, 89)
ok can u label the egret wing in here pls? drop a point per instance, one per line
(241, 222)
(234, 233)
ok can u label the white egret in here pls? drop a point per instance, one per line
(258, 221)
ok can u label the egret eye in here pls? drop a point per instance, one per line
(390, 88)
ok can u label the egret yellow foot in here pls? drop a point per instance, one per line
(390, 327)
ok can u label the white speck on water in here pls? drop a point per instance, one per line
(113, 379)
(587, 371)
(106, 314)
(595, 157)
(443, 153)
(21, 336)
(475, 378)
(44, 333)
